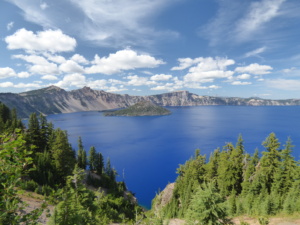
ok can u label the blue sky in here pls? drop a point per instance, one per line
(240, 48)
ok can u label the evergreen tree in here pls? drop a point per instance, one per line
(81, 158)
(269, 161)
(285, 173)
(92, 158)
(207, 207)
(249, 174)
(63, 155)
(99, 163)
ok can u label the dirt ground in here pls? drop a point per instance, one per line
(35, 201)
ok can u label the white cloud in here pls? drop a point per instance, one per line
(260, 13)
(71, 67)
(79, 59)
(139, 81)
(255, 52)
(122, 60)
(28, 85)
(6, 72)
(105, 23)
(161, 77)
(283, 84)
(209, 69)
(40, 64)
(49, 77)
(24, 75)
(56, 58)
(186, 63)
(240, 83)
(244, 76)
(48, 40)
(10, 25)
(75, 80)
(254, 69)
(44, 5)
(6, 84)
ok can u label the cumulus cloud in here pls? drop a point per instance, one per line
(71, 67)
(48, 40)
(244, 76)
(7, 72)
(79, 59)
(56, 58)
(75, 80)
(24, 75)
(40, 64)
(209, 69)
(6, 84)
(240, 83)
(49, 77)
(122, 60)
(139, 81)
(161, 77)
(254, 69)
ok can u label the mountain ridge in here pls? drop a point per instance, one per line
(53, 100)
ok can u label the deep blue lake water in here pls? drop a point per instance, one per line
(148, 150)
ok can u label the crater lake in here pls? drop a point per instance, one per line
(146, 151)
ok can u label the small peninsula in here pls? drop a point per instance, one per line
(142, 108)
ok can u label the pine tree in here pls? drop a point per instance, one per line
(249, 173)
(81, 158)
(284, 174)
(207, 207)
(270, 160)
(63, 155)
(99, 164)
(92, 158)
(34, 133)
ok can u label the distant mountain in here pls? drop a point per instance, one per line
(52, 100)
(142, 108)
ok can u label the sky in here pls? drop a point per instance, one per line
(231, 48)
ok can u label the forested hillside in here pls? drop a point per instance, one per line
(40, 159)
(232, 182)
(83, 188)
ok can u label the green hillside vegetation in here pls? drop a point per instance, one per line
(142, 108)
(232, 183)
(84, 189)
(41, 159)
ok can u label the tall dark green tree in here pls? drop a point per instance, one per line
(270, 161)
(99, 163)
(81, 155)
(92, 158)
(63, 155)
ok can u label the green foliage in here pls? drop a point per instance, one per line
(263, 221)
(14, 158)
(250, 185)
(207, 207)
(81, 157)
(143, 108)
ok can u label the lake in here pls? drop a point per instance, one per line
(146, 151)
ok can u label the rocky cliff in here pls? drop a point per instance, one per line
(53, 100)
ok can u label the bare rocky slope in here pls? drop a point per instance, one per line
(53, 100)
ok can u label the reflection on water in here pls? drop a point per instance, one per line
(149, 149)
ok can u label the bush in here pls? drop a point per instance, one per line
(30, 185)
